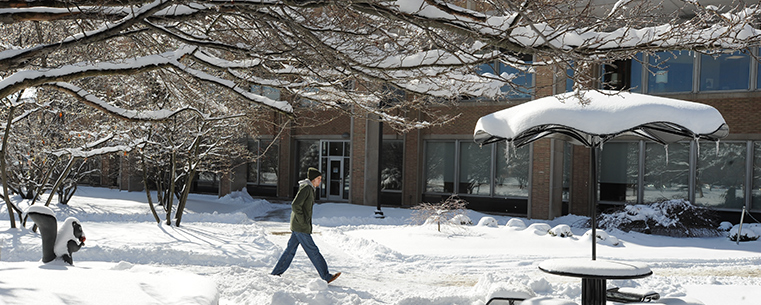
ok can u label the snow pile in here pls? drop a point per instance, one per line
(562, 230)
(675, 217)
(488, 222)
(539, 228)
(515, 223)
(749, 232)
(603, 237)
(462, 219)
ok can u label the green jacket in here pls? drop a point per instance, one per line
(301, 208)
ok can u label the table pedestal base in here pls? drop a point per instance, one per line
(593, 291)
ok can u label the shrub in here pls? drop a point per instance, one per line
(677, 218)
(439, 213)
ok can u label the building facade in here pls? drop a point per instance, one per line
(365, 163)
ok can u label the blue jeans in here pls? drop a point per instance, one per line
(307, 243)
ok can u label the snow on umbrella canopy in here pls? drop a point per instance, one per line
(601, 116)
(590, 118)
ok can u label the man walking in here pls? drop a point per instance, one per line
(301, 228)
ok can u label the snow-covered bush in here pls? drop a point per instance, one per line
(676, 217)
(749, 232)
(488, 221)
(516, 223)
(539, 228)
(603, 238)
(461, 219)
(561, 230)
(725, 226)
(439, 213)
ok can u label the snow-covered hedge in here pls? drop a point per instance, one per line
(676, 217)
(749, 232)
(461, 219)
(516, 223)
(562, 230)
(487, 221)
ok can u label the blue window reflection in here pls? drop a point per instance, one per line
(523, 81)
(671, 72)
(635, 84)
(725, 72)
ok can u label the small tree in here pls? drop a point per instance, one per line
(441, 212)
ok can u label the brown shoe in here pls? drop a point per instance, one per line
(335, 276)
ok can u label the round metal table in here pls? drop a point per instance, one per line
(594, 274)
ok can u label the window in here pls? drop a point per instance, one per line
(667, 170)
(567, 170)
(758, 73)
(513, 166)
(720, 175)
(618, 171)
(569, 79)
(617, 75)
(756, 199)
(635, 79)
(522, 80)
(392, 164)
(269, 92)
(308, 156)
(490, 170)
(439, 167)
(725, 72)
(475, 169)
(671, 72)
(263, 171)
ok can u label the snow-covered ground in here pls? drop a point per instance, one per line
(227, 246)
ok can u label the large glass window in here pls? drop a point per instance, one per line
(263, 171)
(672, 72)
(491, 170)
(720, 175)
(475, 169)
(667, 170)
(439, 167)
(308, 156)
(618, 171)
(567, 170)
(756, 201)
(513, 166)
(392, 163)
(724, 72)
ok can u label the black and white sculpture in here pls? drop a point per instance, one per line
(57, 242)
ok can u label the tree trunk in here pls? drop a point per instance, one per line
(3, 171)
(170, 196)
(147, 190)
(189, 181)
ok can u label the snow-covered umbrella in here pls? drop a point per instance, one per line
(592, 117)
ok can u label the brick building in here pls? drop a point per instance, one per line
(364, 163)
(549, 178)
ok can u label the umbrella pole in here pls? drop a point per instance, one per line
(593, 158)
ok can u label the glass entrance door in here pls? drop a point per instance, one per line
(335, 181)
(335, 164)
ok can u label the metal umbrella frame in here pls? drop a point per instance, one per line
(593, 117)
